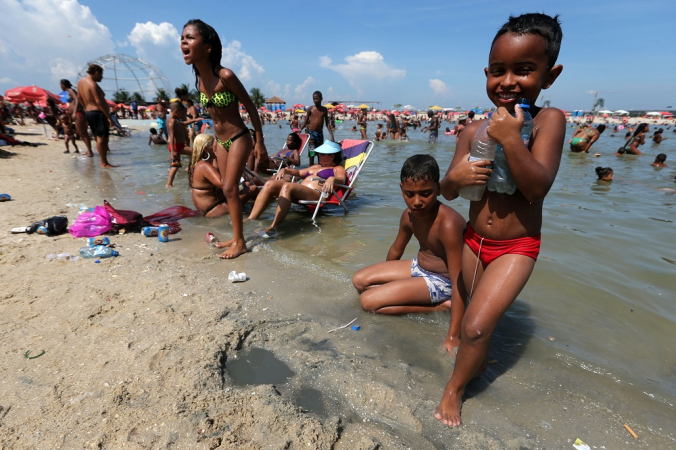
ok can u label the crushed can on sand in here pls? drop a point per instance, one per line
(150, 231)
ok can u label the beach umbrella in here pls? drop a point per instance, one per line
(604, 112)
(34, 94)
(122, 105)
(621, 112)
(298, 106)
(653, 113)
(666, 113)
(300, 111)
(407, 112)
(111, 103)
(395, 112)
(436, 108)
(329, 106)
(363, 106)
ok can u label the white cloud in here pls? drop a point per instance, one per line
(438, 87)
(244, 66)
(302, 91)
(368, 65)
(156, 43)
(7, 80)
(46, 40)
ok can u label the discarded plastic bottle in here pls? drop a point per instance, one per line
(501, 180)
(5, 197)
(483, 147)
(97, 241)
(98, 251)
(150, 231)
(85, 209)
(235, 277)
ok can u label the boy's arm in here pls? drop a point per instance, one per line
(453, 242)
(403, 237)
(463, 172)
(307, 118)
(534, 170)
(172, 138)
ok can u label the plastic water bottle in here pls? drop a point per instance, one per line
(501, 180)
(483, 147)
(98, 251)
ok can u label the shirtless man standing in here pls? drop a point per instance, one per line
(90, 95)
(315, 119)
(433, 127)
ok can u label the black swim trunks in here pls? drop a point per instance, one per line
(98, 123)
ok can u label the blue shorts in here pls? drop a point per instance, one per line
(439, 285)
(161, 126)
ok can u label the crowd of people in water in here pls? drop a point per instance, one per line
(487, 260)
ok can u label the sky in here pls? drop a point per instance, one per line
(418, 53)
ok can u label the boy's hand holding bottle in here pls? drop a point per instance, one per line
(504, 128)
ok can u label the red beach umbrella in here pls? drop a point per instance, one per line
(34, 94)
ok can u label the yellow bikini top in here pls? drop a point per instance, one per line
(219, 99)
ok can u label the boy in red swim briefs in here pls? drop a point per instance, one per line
(177, 138)
(503, 235)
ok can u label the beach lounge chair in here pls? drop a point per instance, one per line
(355, 154)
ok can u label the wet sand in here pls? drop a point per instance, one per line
(138, 348)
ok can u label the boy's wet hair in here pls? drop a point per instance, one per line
(420, 168)
(176, 106)
(94, 68)
(153, 131)
(661, 157)
(549, 28)
(603, 171)
(209, 36)
(318, 93)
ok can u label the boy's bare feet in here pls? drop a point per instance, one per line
(89, 154)
(107, 165)
(236, 249)
(448, 411)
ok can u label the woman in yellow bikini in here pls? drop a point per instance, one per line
(220, 90)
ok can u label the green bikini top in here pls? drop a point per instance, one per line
(219, 99)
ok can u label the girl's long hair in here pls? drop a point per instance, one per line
(209, 36)
(202, 141)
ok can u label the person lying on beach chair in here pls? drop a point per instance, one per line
(289, 155)
(318, 181)
(355, 154)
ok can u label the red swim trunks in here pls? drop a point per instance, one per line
(179, 147)
(489, 250)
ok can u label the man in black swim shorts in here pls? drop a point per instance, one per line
(91, 96)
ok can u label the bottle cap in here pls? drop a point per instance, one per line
(523, 103)
(116, 253)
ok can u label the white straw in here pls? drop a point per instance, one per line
(344, 326)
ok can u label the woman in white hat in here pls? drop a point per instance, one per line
(317, 180)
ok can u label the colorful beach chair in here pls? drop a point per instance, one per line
(355, 154)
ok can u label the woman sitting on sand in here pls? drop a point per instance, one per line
(584, 138)
(638, 138)
(317, 180)
(206, 188)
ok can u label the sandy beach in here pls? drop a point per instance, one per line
(140, 350)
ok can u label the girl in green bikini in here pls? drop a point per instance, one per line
(583, 138)
(220, 93)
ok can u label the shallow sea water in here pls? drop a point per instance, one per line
(600, 302)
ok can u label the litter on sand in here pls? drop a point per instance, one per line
(579, 445)
(631, 431)
(344, 326)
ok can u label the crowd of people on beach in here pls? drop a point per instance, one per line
(473, 269)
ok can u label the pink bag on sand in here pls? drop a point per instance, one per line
(91, 224)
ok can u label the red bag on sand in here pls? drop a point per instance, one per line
(129, 220)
